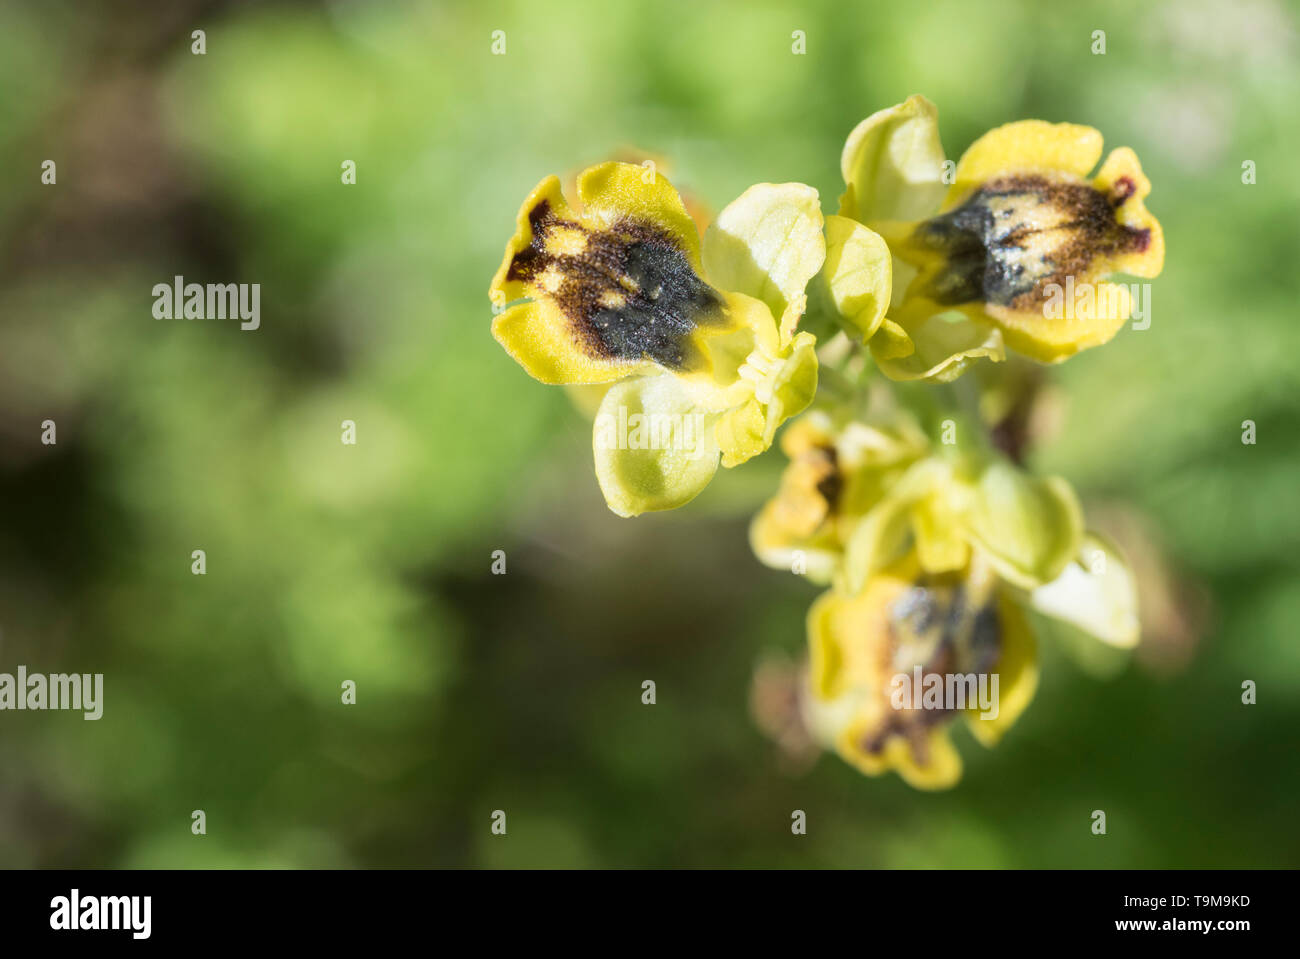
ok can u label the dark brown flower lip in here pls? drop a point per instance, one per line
(959, 633)
(984, 240)
(630, 294)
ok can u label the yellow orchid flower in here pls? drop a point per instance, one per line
(840, 468)
(1014, 250)
(586, 397)
(893, 663)
(892, 667)
(699, 341)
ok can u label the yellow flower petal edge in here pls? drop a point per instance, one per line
(1017, 669)
(937, 349)
(782, 389)
(885, 534)
(803, 542)
(1121, 178)
(538, 337)
(768, 244)
(654, 450)
(892, 164)
(857, 279)
(1029, 527)
(881, 538)
(1101, 314)
(937, 530)
(1027, 146)
(929, 762)
(614, 193)
(1095, 593)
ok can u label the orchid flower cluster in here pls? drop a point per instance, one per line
(906, 494)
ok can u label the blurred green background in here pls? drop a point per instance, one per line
(372, 563)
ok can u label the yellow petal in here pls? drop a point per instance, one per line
(1029, 527)
(879, 540)
(1121, 178)
(891, 342)
(936, 526)
(612, 193)
(849, 669)
(813, 431)
(1027, 146)
(848, 639)
(779, 387)
(840, 467)
(938, 766)
(790, 389)
(541, 339)
(857, 277)
(1074, 317)
(942, 347)
(893, 164)
(826, 667)
(547, 194)
(1017, 671)
(1096, 593)
(1028, 251)
(768, 244)
(799, 521)
(868, 652)
(722, 351)
(882, 537)
(740, 433)
(777, 545)
(654, 449)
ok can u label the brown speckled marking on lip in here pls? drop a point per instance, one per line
(985, 240)
(630, 293)
(939, 624)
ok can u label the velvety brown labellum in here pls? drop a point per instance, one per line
(944, 629)
(629, 291)
(1016, 235)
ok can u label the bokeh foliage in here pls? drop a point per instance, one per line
(371, 563)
